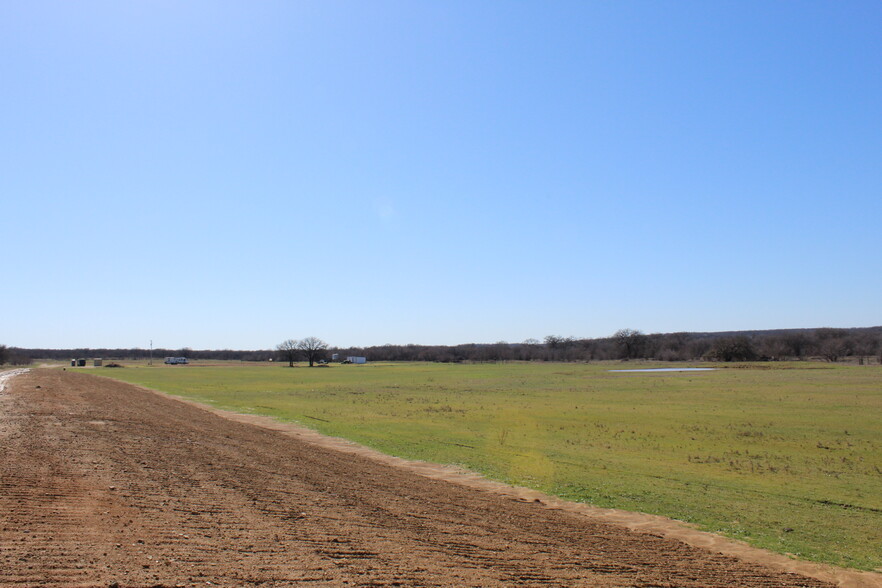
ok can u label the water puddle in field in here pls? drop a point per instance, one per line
(668, 370)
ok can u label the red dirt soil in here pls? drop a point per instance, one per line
(103, 484)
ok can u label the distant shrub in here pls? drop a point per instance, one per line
(732, 349)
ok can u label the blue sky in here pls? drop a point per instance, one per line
(233, 174)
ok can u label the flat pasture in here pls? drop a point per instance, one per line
(785, 456)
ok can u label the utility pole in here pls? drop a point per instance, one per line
(150, 361)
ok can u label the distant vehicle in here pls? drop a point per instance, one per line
(177, 360)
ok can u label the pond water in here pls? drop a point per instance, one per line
(668, 370)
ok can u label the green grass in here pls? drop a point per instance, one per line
(784, 456)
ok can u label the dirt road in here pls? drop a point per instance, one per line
(106, 484)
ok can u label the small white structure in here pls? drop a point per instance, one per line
(177, 360)
(356, 359)
(335, 357)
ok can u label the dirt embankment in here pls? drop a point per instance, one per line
(103, 483)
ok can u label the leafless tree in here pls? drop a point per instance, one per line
(833, 344)
(313, 348)
(798, 344)
(553, 343)
(288, 350)
(738, 348)
(833, 349)
(630, 342)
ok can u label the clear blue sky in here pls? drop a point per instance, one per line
(233, 174)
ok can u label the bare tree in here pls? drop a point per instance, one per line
(833, 349)
(833, 344)
(630, 342)
(739, 348)
(288, 350)
(798, 343)
(313, 348)
(554, 343)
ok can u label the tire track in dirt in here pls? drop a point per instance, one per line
(103, 483)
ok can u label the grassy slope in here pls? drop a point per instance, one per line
(787, 457)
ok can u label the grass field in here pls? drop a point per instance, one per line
(786, 456)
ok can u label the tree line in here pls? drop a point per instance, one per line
(830, 344)
(14, 356)
(825, 343)
(137, 353)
